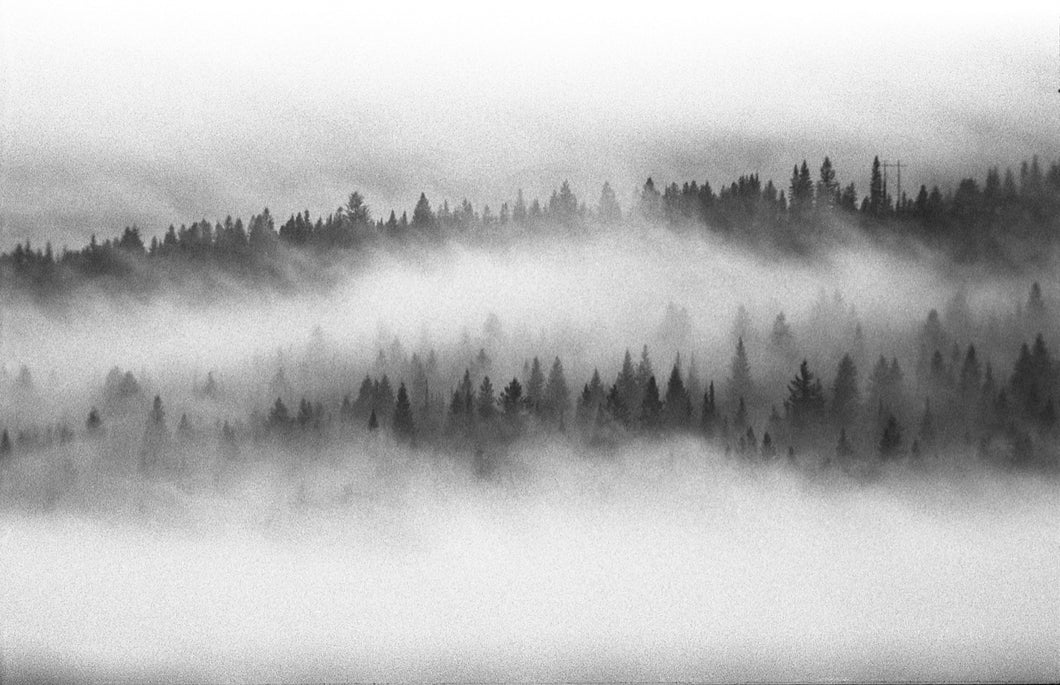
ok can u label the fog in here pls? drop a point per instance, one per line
(285, 460)
(589, 298)
(120, 113)
(645, 560)
(660, 562)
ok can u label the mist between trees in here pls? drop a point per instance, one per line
(820, 400)
(1001, 222)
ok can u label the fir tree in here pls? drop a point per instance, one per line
(644, 371)
(626, 385)
(891, 439)
(709, 419)
(402, 421)
(845, 397)
(740, 375)
(805, 397)
(422, 216)
(676, 403)
(557, 395)
(535, 387)
(487, 403)
(651, 406)
(512, 398)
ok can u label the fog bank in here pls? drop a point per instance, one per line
(659, 562)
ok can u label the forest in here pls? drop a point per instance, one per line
(952, 390)
(709, 418)
(1008, 220)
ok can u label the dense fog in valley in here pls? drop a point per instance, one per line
(208, 538)
(538, 342)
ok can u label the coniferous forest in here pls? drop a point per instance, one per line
(1007, 219)
(576, 342)
(985, 386)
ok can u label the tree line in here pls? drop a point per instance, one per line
(1009, 217)
(950, 400)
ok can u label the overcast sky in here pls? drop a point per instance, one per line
(122, 113)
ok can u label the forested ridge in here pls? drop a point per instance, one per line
(1009, 219)
(955, 389)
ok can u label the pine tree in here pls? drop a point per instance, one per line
(845, 397)
(5, 445)
(557, 395)
(463, 398)
(740, 375)
(805, 397)
(487, 403)
(781, 336)
(626, 386)
(678, 408)
(651, 406)
(593, 397)
(535, 387)
(155, 436)
(644, 371)
(891, 439)
(402, 421)
(512, 398)
(827, 186)
(709, 420)
(1036, 305)
(608, 210)
(877, 203)
(422, 216)
(373, 421)
(739, 419)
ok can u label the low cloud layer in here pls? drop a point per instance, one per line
(661, 562)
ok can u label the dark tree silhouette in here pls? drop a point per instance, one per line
(891, 439)
(651, 406)
(845, 395)
(805, 401)
(402, 421)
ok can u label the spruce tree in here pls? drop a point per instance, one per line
(402, 421)
(740, 375)
(891, 439)
(535, 387)
(486, 402)
(512, 398)
(651, 406)
(422, 216)
(805, 397)
(709, 418)
(644, 371)
(845, 397)
(557, 395)
(626, 386)
(676, 403)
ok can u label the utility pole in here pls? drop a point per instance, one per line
(897, 166)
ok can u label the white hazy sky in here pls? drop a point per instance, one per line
(154, 113)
